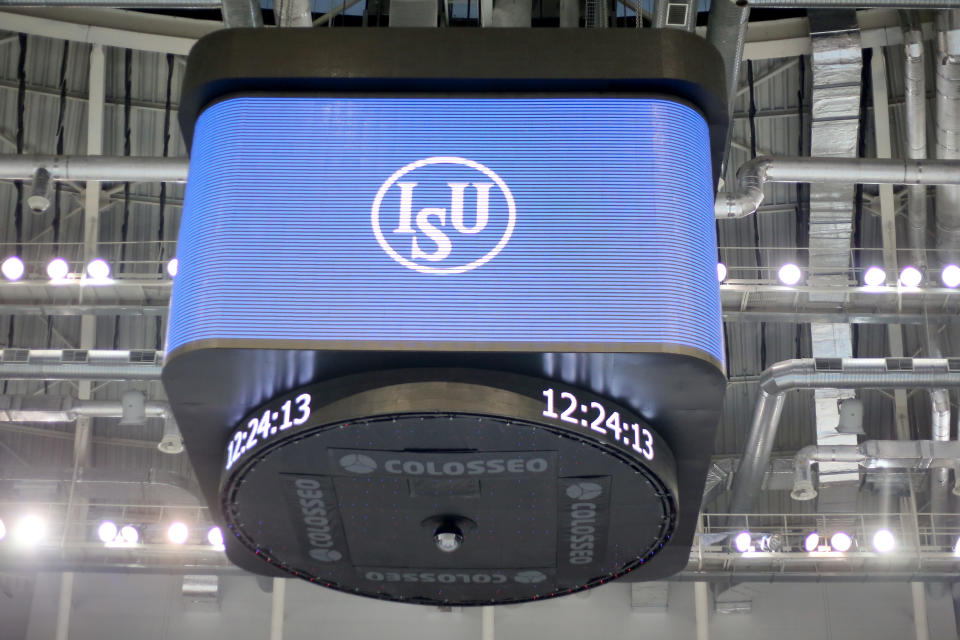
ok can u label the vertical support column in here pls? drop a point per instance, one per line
(63, 607)
(701, 603)
(88, 324)
(920, 611)
(91, 236)
(276, 610)
(487, 631)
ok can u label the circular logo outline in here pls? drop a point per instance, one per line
(399, 173)
(584, 491)
(326, 555)
(358, 463)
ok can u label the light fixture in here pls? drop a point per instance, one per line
(950, 276)
(172, 267)
(30, 530)
(956, 548)
(98, 269)
(12, 268)
(3, 530)
(789, 274)
(911, 277)
(883, 541)
(742, 542)
(129, 534)
(841, 541)
(874, 277)
(721, 271)
(177, 533)
(811, 542)
(107, 531)
(215, 537)
(58, 269)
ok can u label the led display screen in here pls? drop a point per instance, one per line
(568, 224)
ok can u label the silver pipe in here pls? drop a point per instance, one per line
(241, 14)
(114, 409)
(727, 31)
(754, 173)
(293, 13)
(948, 130)
(95, 168)
(915, 101)
(804, 460)
(824, 373)
(940, 414)
(873, 454)
(853, 4)
(79, 364)
(116, 4)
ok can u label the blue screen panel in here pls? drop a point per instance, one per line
(413, 222)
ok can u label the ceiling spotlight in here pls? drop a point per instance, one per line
(721, 271)
(874, 277)
(883, 541)
(742, 542)
(129, 534)
(789, 274)
(841, 541)
(178, 533)
(107, 531)
(950, 276)
(911, 277)
(3, 530)
(98, 269)
(30, 530)
(12, 268)
(811, 542)
(215, 537)
(172, 267)
(58, 269)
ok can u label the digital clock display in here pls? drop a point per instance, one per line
(544, 489)
(598, 418)
(260, 429)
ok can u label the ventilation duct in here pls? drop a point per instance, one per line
(828, 373)
(835, 122)
(511, 13)
(875, 454)
(67, 409)
(79, 364)
(753, 174)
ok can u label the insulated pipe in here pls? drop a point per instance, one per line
(95, 168)
(872, 454)
(727, 31)
(754, 173)
(948, 130)
(915, 101)
(852, 4)
(241, 14)
(116, 4)
(79, 364)
(113, 409)
(824, 373)
(803, 488)
(294, 13)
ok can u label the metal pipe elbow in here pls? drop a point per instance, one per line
(803, 488)
(749, 195)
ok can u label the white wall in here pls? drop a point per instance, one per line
(121, 607)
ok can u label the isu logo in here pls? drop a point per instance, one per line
(443, 215)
